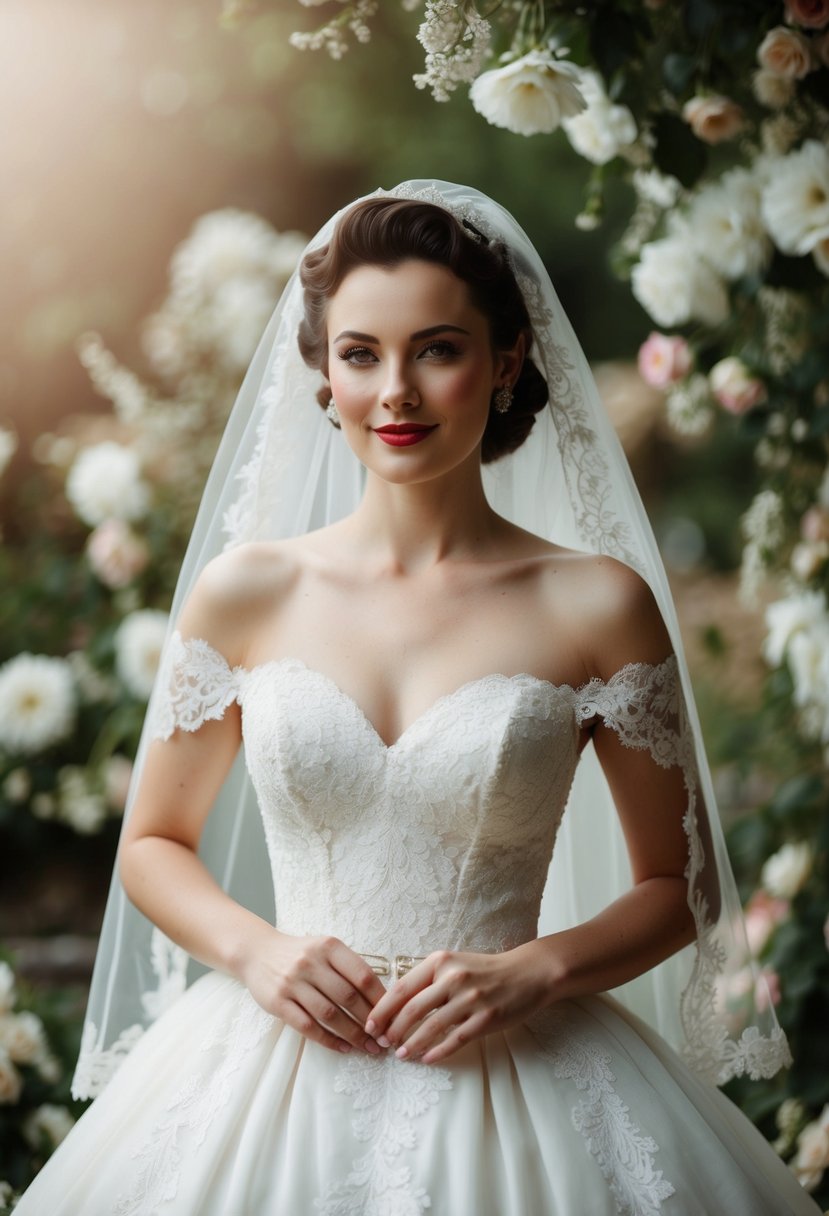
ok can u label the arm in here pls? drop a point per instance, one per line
(470, 995)
(308, 982)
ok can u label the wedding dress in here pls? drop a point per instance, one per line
(441, 838)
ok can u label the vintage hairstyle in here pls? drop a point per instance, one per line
(386, 232)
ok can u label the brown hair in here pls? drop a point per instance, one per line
(388, 231)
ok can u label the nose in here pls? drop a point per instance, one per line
(399, 391)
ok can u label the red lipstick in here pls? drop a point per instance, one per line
(404, 434)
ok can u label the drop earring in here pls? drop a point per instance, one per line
(332, 413)
(503, 399)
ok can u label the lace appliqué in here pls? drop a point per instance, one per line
(643, 703)
(390, 1095)
(623, 1154)
(191, 1112)
(196, 685)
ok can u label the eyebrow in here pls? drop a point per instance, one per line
(421, 333)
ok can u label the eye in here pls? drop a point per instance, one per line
(356, 354)
(441, 348)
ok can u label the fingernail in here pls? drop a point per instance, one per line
(371, 1026)
(402, 1052)
(383, 1041)
(344, 1047)
(371, 1046)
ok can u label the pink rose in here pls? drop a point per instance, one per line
(763, 914)
(663, 359)
(767, 990)
(713, 119)
(814, 523)
(734, 387)
(786, 53)
(116, 554)
(811, 14)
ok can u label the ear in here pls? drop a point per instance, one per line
(508, 363)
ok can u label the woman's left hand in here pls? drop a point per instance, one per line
(452, 997)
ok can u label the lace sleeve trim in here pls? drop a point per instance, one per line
(196, 685)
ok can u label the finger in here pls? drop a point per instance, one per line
(425, 1004)
(329, 1015)
(301, 1020)
(344, 994)
(357, 971)
(457, 1037)
(399, 995)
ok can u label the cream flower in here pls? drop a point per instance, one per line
(53, 1122)
(22, 1036)
(713, 118)
(812, 1156)
(116, 554)
(734, 387)
(138, 643)
(675, 285)
(37, 703)
(789, 616)
(105, 482)
(11, 1082)
(786, 53)
(530, 96)
(728, 227)
(602, 129)
(772, 90)
(785, 872)
(795, 202)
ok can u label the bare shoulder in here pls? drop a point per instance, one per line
(615, 616)
(236, 590)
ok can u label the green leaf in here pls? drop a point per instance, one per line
(678, 71)
(678, 152)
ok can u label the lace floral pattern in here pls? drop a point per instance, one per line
(390, 1097)
(624, 1155)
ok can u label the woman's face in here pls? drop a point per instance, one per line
(412, 369)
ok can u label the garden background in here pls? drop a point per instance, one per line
(161, 164)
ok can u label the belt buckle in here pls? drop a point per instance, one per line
(399, 966)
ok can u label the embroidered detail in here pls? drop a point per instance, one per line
(196, 685)
(622, 1153)
(170, 966)
(390, 1095)
(190, 1113)
(96, 1063)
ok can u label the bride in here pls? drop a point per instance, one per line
(416, 627)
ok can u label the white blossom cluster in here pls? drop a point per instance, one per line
(763, 529)
(23, 1044)
(456, 41)
(38, 703)
(689, 407)
(331, 37)
(798, 634)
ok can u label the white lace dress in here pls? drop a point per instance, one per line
(442, 839)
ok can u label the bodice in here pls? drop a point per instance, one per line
(442, 839)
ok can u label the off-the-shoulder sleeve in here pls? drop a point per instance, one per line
(195, 684)
(643, 703)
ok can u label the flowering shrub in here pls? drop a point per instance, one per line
(36, 1112)
(93, 591)
(717, 117)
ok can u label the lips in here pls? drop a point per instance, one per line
(404, 434)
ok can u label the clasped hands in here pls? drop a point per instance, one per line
(330, 994)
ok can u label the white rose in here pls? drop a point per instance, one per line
(37, 703)
(11, 1082)
(22, 1037)
(808, 658)
(602, 129)
(786, 53)
(7, 990)
(795, 200)
(727, 225)
(104, 482)
(53, 1122)
(812, 1156)
(138, 643)
(529, 96)
(786, 617)
(785, 872)
(675, 285)
(771, 90)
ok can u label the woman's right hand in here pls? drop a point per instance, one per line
(315, 984)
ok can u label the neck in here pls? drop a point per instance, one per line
(409, 527)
